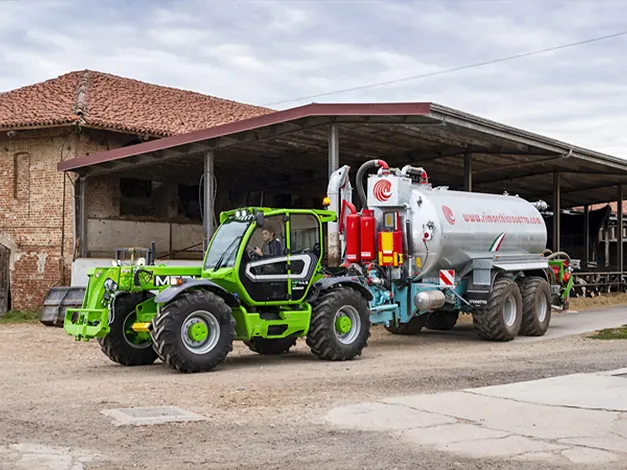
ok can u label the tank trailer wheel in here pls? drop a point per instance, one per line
(441, 320)
(271, 346)
(340, 325)
(194, 332)
(123, 345)
(536, 299)
(500, 320)
(412, 327)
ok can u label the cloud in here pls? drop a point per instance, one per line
(271, 50)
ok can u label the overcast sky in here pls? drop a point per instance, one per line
(266, 51)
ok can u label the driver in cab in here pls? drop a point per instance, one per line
(271, 246)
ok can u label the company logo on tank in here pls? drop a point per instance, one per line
(382, 190)
(448, 214)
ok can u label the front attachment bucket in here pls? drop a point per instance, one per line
(57, 301)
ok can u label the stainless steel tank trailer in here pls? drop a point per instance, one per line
(427, 254)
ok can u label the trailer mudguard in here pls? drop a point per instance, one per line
(329, 282)
(172, 292)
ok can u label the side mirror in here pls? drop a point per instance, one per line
(259, 219)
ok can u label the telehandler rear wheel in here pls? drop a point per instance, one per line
(536, 315)
(412, 327)
(340, 325)
(500, 319)
(123, 345)
(194, 332)
(271, 347)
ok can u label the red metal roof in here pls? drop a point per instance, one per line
(111, 102)
(278, 117)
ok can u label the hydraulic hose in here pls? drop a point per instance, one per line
(360, 175)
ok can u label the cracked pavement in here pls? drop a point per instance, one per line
(573, 419)
(43, 457)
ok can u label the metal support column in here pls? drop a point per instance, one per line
(606, 253)
(557, 208)
(586, 236)
(82, 218)
(209, 196)
(619, 229)
(334, 149)
(468, 172)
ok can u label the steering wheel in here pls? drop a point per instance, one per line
(252, 254)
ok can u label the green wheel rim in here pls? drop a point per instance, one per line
(347, 324)
(133, 338)
(343, 324)
(200, 332)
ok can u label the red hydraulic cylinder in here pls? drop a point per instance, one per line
(367, 235)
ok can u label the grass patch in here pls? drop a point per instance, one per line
(612, 333)
(20, 316)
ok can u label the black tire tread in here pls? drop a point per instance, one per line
(529, 325)
(488, 321)
(271, 346)
(319, 337)
(442, 321)
(165, 331)
(412, 327)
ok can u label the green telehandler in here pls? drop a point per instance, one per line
(261, 282)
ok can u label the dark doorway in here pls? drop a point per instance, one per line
(5, 254)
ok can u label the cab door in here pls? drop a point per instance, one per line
(305, 251)
(265, 265)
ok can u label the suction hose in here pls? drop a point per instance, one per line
(360, 175)
(558, 253)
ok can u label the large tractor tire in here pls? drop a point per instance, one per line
(123, 345)
(271, 347)
(194, 332)
(340, 325)
(536, 300)
(442, 320)
(500, 320)
(412, 327)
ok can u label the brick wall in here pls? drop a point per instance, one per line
(35, 218)
(37, 206)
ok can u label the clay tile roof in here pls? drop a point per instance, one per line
(107, 101)
(613, 205)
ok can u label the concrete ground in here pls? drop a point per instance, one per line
(573, 419)
(58, 402)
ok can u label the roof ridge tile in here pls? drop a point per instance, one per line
(80, 108)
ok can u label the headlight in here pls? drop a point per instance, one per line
(110, 285)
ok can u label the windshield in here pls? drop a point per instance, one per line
(226, 240)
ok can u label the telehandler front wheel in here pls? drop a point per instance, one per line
(340, 325)
(123, 345)
(194, 332)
